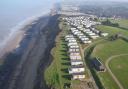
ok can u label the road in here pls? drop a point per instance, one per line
(110, 72)
(91, 79)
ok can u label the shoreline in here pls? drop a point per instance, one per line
(25, 68)
(15, 59)
(17, 35)
(12, 43)
(30, 57)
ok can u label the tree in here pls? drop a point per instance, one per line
(109, 23)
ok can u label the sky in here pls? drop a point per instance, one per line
(99, 0)
(22, 8)
(13, 12)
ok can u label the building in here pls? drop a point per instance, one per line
(79, 76)
(77, 62)
(76, 69)
(73, 50)
(98, 65)
(104, 34)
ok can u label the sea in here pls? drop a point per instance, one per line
(14, 14)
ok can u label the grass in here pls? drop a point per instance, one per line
(57, 74)
(119, 67)
(122, 22)
(112, 30)
(110, 48)
(106, 50)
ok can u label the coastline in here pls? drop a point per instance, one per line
(25, 68)
(17, 35)
(12, 43)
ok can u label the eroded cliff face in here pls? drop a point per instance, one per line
(51, 30)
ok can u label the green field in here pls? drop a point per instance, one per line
(110, 48)
(112, 30)
(122, 22)
(106, 50)
(119, 67)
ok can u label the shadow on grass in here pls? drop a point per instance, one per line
(67, 63)
(63, 39)
(65, 58)
(67, 85)
(64, 44)
(65, 70)
(68, 77)
(64, 54)
(63, 50)
(65, 47)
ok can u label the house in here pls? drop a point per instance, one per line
(75, 57)
(77, 62)
(104, 34)
(82, 36)
(76, 69)
(78, 32)
(79, 76)
(75, 54)
(96, 31)
(74, 50)
(73, 28)
(87, 41)
(89, 32)
(84, 39)
(70, 38)
(72, 43)
(98, 65)
(94, 36)
(74, 46)
(80, 26)
(86, 30)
